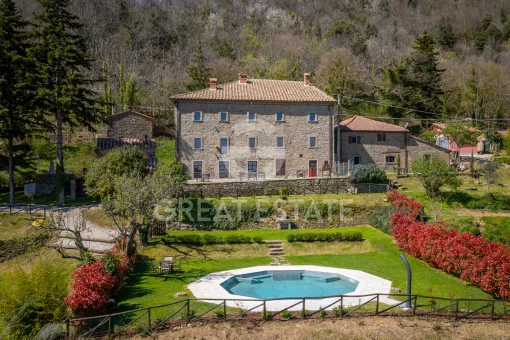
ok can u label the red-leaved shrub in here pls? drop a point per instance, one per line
(405, 204)
(92, 288)
(96, 283)
(480, 262)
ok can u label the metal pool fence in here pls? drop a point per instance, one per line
(176, 314)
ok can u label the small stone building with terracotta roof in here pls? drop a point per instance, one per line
(254, 128)
(367, 141)
(129, 124)
(129, 128)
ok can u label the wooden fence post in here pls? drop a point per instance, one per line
(377, 305)
(149, 317)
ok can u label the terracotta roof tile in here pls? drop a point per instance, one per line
(362, 124)
(128, 112)
(260, 90)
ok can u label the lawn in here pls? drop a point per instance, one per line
(496, 228)
(146, 288)
(452, 206)
(14, 225)
(47, 199)
(165, 151)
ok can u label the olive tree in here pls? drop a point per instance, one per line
(434, 173)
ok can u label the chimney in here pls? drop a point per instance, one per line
(307, 79)
(213, 82)
(243, 78)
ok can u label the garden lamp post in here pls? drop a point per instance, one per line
(409, 279)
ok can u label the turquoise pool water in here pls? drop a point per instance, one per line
(284, 284)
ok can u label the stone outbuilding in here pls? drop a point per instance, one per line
(129, 128)
(367, 141)
(129, 124)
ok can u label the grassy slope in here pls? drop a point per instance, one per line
(385, 262)
(165, 151)
(145, 288)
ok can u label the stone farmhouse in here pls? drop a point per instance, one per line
(255, 128)
(267, 129)
(367, 141)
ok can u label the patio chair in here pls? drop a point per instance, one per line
(165, 266)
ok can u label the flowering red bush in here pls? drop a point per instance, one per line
(92, 288)
(94, 284)
(405, 204)
(485, 264)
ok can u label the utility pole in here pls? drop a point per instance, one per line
(338, 133)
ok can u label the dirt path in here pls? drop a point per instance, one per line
(353, 328)
(98, 238)
(481, 213)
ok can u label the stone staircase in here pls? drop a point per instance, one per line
(275, 248)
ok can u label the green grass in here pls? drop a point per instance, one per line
(384, 261)
(46, 199)
(366, 200)
(14, 225)
(144, 288)
(165, 151)
(497, 229)
(268, 234)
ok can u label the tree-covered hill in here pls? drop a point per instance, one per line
(147, 49)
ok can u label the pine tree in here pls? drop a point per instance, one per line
(64, 88)
(414, 81)
(445, 36)
(17, 120)
(199, 74)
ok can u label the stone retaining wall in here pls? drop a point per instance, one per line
(305, 186)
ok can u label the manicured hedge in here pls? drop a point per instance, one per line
(326, 237)
(482, 263)
(197, 239)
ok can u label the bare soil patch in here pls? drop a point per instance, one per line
(353, 328)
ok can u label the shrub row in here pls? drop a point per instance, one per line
(404, 204)
(326, 237)
(482, 263)
(94, 284)
(197, 239)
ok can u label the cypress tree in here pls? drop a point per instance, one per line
(198, 72)
(63, 64)
(17, 120)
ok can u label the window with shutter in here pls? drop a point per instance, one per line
(359, 140)
(280, 167)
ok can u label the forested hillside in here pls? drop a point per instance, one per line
(147, 50)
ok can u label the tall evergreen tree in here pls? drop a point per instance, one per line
(415, 81)
(16, 96)
(63, 64)
(199, 73)
(445, 35)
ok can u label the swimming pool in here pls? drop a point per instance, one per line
(289, 283)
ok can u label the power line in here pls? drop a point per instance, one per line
(357, 113)
(419, 111)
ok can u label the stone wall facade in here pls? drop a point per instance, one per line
(129, 125)
(302, 186)
(417, 148)
(45, 184)
(384, 153)
(296, 130)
